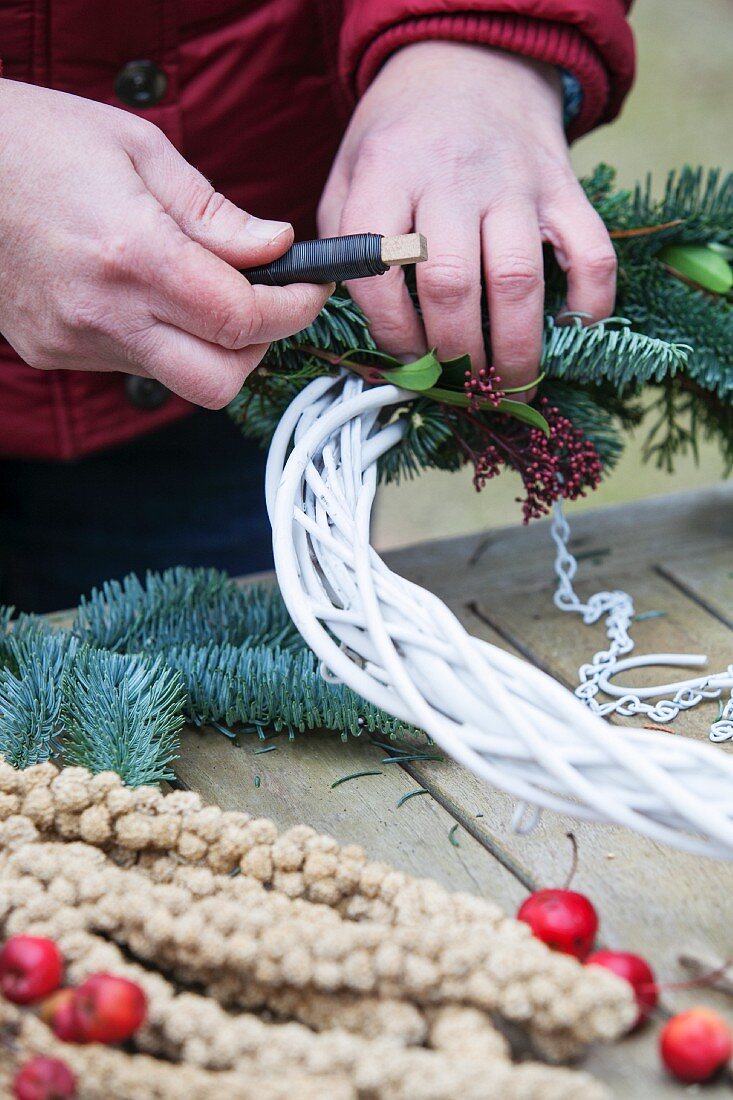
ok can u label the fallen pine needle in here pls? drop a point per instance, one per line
(408, 759)
(644, 615)
(353, 775)
(270, 748)
(411, 794)
(452, 836)
(660, 729)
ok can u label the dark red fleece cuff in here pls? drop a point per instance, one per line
(555, 43)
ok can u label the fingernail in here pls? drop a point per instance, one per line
(267, 231)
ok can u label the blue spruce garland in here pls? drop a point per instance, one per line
(143, 657)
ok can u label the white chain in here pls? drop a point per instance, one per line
(618, 608)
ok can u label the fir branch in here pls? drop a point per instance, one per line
(182, 606)
(666, 309)
(426, 444)
(673, 431)
(31, 696)
(608, 351)
(263, 686)
(703, 199)
(700, 202)
(121, 714)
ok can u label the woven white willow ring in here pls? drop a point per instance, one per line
(401, 648)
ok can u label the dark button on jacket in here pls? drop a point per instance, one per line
(141, 84)
(145, 393)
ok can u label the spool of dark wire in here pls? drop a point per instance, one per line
(338, 259)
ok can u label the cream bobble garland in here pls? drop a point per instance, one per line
(391, 984)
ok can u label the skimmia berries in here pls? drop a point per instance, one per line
(562, 464)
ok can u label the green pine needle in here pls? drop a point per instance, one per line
(411, 794)
(31, 697)
(353, 775)
(122, 714)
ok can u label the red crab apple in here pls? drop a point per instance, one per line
(695, 1044)
(59, 1013)
(30, 968)
(637, 973)
(108, 1009)
(44, 1079)
(564, 920)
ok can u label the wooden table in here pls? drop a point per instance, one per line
(674, 555)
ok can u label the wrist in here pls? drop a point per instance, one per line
(514, 83)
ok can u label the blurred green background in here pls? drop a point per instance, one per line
(680, 111)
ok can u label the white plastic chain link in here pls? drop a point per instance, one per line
(401, 648)
(595, 678)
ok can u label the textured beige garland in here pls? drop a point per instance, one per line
(395, 978)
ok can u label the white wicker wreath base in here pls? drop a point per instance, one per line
(402, 649)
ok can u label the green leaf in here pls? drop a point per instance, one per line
(528, 385)
(419, 375)
(454, 371)
(448, 397)
(701, 264)
(518, 409)
(526, 413)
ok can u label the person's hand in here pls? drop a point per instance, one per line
(116, 254)
(466, 145)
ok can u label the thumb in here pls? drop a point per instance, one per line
(202, 213)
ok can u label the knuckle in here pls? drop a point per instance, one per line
(204, 203)
(84, 315)
(446, 280)
(514, 278)
(218, 392)
(371, 152)
(143, 135)
(390, 334)
(600, 263)
(142, 345)
(44, 356)
(234, 332)
(115, 256)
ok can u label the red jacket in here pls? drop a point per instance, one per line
(247, 91)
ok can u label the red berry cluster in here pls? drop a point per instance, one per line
(483, 388)
(562, 464)
(103, 1009)
(693, 1045)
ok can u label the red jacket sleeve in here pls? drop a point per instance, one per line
(592, 39)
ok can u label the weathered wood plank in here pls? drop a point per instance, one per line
(676, 527)
(708, 579)
(559, 642)
(295, 786)
(682, 887)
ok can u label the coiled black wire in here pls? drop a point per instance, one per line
(331, 260)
